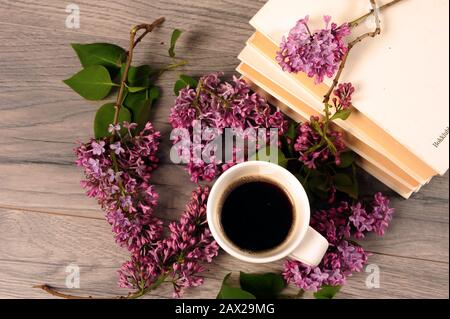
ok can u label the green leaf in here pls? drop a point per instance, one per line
(141, 113)
(106, 54)
(327, 292)
(282, 160)
(289, 138)
(342, 114)
(262, 286)
(179, 85)
(341, 179)
(173, 41)
(228, 292)
(264, 154)
(183, 82)
(292, 130)
(320, 183)
(346, 184)
(347, 159)
(140, 105)
(134, 89)
(301, 179)
(92, 83)
(105, 116)
(154, 93)
(135, 98)
(316, 127)
(137, 76)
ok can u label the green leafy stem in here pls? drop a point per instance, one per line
(123, 83)
(344, 114)
(266, 286)
(136, 94)
(133, 42)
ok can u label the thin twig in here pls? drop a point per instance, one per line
(52, 291)
(120, 96)
(172, 66)
(300, 294)
(350, 46)
(372, 34)
(148, 28)
(132, 295)
(56, 293)
(357, 21)
(133, 42)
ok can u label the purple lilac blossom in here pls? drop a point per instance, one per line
(129, 200)
(177, 258)
(308, 138)
(338, 225)
(217, 105)
(343, 95)
(318, 54)
(125, 194)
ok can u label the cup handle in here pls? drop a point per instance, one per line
(311, 249)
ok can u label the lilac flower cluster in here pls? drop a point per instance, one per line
(178, 257)
(218, 105)
(343, 257)
(317, 54)
(343, 95)
(118, 176)
(354, 220)
(335, 267)
(310, 146)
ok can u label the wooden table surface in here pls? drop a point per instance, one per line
(46, 221)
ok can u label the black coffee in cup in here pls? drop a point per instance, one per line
(256, 215)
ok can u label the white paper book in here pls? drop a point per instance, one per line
(358, 124)
(298, 111)
(279, 86)
(383, 176)
(401, 76)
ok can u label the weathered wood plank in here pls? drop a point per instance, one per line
(431, 204)
(226, 18)
(41, 116)
(55, 189)
(37, 248)
(398, 279)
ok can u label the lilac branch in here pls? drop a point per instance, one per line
(350, 46)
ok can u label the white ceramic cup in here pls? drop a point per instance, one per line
(303, 243)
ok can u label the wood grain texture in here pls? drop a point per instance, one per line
(46, 222)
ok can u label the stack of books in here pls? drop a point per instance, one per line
(399, 126)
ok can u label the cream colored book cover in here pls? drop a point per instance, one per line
(280, 88)
(382, 175)
(401, 76)
(299, 111)
(358, 124)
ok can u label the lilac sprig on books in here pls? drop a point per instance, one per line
(279, 66)
(321, 144)
(317, 54)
